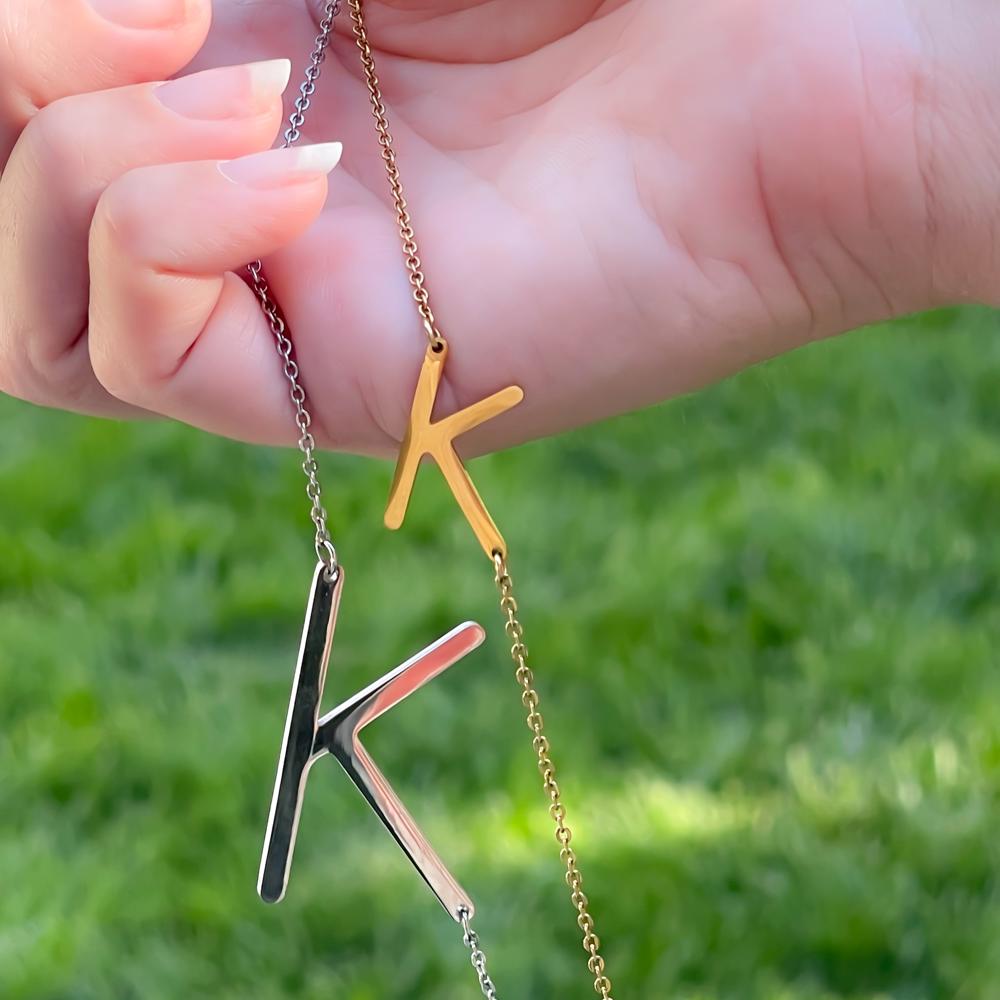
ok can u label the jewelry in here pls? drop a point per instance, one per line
(307, 736)
(424, 437)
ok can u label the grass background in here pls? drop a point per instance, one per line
(765, 624)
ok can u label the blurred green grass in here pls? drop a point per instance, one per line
(765, 624)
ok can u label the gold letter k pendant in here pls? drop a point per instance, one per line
(424, 436)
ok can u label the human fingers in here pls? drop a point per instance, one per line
(50, 49)
(172, 329)
(68, 155)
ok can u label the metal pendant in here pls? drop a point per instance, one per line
(426, 436)
(308, 738)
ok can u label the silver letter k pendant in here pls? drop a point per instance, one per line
(309, 737)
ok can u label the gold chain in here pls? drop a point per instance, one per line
(508, 604)
(410, 249)
(529, 698)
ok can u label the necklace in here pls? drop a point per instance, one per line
(308, 736)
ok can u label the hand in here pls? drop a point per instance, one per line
(612, 206)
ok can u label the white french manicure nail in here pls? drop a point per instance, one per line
(229, 92)
(270, 77)
(278, 167)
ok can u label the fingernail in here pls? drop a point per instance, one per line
(278, 167)
(143, 13)
(230, 92)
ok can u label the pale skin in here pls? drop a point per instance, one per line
(616, 201)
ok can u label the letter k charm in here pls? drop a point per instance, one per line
(308, 738)
(424, 436)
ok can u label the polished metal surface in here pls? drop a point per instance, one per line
(339, 734)
(436, 438)
(300, 733)
(307, 738)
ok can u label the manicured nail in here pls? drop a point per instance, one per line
(278, 167)
(143, 13)
(230, 92)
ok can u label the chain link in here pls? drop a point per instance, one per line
(325, 551)
(557, 810)
(324, 546)
(411, 251)
(476, 954)
(508, 604)
(298, 116)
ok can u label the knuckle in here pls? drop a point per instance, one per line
(118, 226)
(53, 142)
(119, 238)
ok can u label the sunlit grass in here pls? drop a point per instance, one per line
(765, 626)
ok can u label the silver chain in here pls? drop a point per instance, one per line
(471, 939)
(325, 550)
